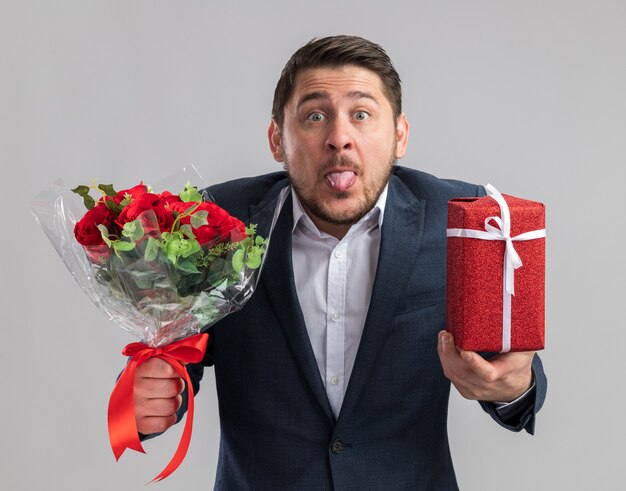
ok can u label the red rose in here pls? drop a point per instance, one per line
(221, 225)
(168, 198)
(135, 192)
(144, 203)
(86, 230)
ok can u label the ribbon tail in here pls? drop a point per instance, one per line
(185, 439)
(121, 414)
(511, 261)
(506, 323)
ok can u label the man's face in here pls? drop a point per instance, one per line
(339, 142)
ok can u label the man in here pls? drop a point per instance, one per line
(336, 373)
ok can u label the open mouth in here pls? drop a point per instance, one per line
(341, 180)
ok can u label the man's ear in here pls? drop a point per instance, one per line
(402, 135)
(274, 136)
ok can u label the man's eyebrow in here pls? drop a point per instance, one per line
(322, 94)
(313, 96)
(359, 94)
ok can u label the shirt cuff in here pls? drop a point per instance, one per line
(502, 405)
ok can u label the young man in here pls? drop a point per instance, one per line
(336, 374)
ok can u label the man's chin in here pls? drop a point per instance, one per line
(344, 207)
(340, 215)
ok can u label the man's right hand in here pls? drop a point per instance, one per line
(158, 389)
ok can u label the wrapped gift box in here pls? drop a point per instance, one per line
(477, 312)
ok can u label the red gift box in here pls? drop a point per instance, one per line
(494, 303)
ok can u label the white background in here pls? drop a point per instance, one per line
(528, 95)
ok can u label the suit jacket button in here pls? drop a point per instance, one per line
(336, 446)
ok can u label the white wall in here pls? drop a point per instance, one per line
(528, 95)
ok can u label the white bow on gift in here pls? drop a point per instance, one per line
(512, 261)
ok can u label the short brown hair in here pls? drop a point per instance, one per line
(338, 51)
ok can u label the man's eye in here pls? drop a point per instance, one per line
(315, 117)
(361, 115)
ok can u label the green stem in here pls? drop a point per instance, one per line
(186, 213)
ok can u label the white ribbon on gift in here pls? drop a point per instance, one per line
(512, 261)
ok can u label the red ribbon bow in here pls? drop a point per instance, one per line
(123, 432)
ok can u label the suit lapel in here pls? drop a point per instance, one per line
(278, 279)
(402, 230)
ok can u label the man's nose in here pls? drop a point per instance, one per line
(339, 136)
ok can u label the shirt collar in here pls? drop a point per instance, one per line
(375, 214)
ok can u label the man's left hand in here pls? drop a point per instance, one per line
(503, 378)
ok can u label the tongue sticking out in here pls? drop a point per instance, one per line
(341, 181)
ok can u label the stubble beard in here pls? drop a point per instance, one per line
(371, 192)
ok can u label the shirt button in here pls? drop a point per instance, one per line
(336, 316)
(334, 380)
(336, 446)
(338, 253)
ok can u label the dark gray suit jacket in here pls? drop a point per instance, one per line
(277, 428)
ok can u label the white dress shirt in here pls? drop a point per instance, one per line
(334, 280)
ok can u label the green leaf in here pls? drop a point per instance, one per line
(176, 245)
(83, 192)
(105, 234)
(143, 279)
(259, 240)
(190, 284)
(253, 261)
(189, 247)
(237, 260)
(139, 231)
(190, 193)
(133, 230)
(172, 246)
(107, 189)
(217, 267)
(199, 218)
(152, 249)
(114, 207)
(187, 231)
(122, 245)
(188, 267)
(144, 284)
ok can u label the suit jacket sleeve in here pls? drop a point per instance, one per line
(524, 416)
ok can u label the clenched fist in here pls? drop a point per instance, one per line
(158, 389)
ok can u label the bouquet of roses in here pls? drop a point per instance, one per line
(174, 263)
(162, 266)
